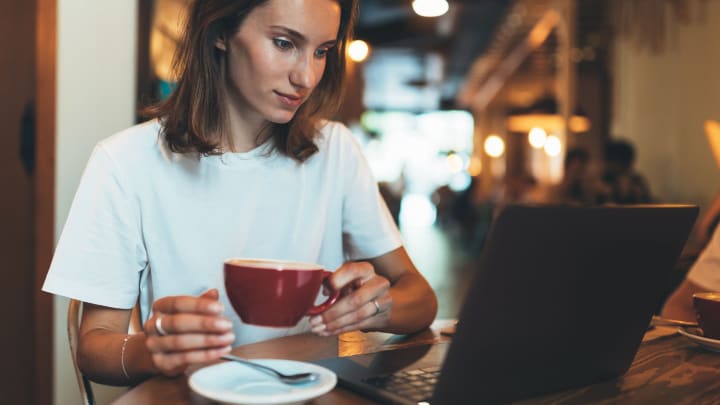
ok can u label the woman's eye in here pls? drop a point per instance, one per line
(321, 53)
(282, 43)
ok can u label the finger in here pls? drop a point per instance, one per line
(188, 323)
(212, 293)
(357, 319)
(375, 288)
(186, 303)
(368, 325)
(170, 363)
(188, 342)
(365, 312)
(374, 322)
(351, 272)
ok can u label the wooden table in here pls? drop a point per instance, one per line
(667, 369)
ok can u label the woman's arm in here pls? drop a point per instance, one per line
(100, 347)
(196, 333)
(405, 301)
(680, 303)
(705, 224)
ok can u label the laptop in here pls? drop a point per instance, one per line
(561, 297)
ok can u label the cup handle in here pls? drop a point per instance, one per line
(334, 295)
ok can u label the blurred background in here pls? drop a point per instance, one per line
(461, 107)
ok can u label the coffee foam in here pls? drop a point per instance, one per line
(273, 264)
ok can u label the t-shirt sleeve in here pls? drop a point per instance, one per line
(368, 227)
(100, 254)
(705, 272)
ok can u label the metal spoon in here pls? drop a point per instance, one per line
(299, 378)
(660, 321)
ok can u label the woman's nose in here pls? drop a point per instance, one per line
(304, 73)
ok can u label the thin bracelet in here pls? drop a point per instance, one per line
(122, 356)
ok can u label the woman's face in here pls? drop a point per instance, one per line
(277, 57)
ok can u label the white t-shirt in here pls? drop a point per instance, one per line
(705, 272)
(151, 223)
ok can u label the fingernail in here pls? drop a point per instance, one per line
(319, 328)
(316, 320)
(229, 336)
(223, 324)
(215, 307)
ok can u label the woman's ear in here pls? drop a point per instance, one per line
(220, 44)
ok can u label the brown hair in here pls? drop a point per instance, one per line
(194, 117)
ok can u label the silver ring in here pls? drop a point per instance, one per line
(377, 307)
(158, 326)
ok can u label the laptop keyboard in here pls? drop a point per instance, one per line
(416, 385)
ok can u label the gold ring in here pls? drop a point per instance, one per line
(158, 326)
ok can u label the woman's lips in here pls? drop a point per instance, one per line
(289, 99)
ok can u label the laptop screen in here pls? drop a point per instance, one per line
(561, 297)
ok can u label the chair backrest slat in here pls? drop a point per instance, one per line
(73, 327)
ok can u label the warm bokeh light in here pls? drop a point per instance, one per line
(494, 146)
(430, 8)
(543, 28)
(165, 34)
(550, 122)
(358, 50)
(455, 163)
(712, 132)
(537, 137)
(475, 167)
(553, 146)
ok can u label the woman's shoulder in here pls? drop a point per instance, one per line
(136, 140)
(328, 129)
(334, 134)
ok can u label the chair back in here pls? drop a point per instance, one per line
(73, 327)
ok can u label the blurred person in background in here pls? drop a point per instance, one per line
(577, 186)
(624, 185)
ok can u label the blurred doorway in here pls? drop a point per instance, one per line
(17, 86)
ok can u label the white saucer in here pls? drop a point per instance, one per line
(694, 335)
(234, 383)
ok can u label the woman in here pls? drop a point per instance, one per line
(237, 163)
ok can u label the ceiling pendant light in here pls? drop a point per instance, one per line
(430, 8)
(544, 114)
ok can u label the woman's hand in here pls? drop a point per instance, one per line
(185, 330)
(365, 302)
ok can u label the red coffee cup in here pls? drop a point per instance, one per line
(707, 310)
(275, 292)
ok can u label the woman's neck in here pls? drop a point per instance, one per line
(246, 129)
